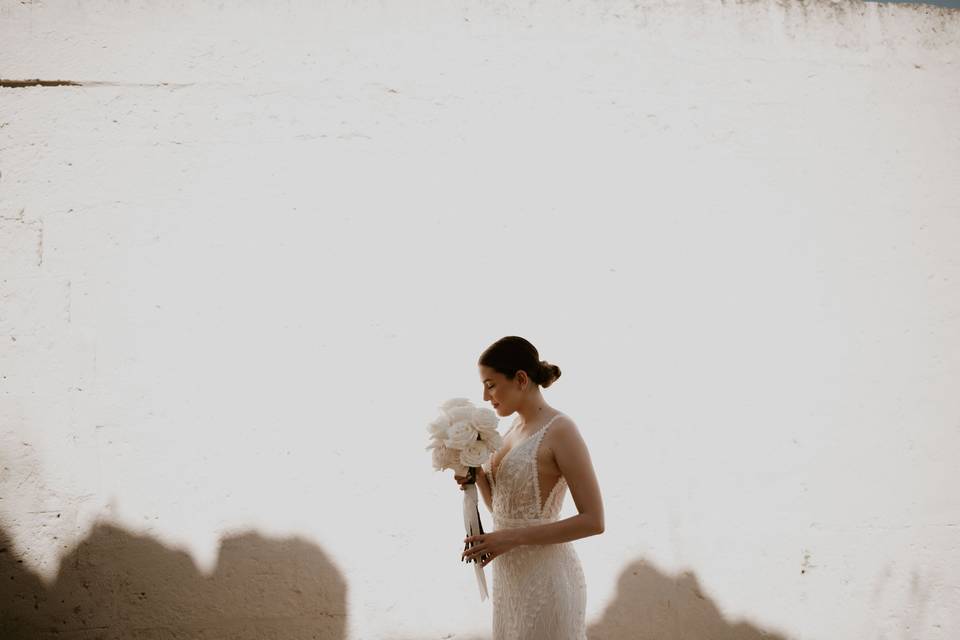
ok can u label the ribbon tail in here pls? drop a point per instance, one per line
(471, 522)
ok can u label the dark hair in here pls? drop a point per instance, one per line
(513, 353)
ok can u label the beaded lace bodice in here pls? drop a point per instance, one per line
(539, 591)
(516, 496)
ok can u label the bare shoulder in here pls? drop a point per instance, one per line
(573, 461)
(564, 430)
(565, 423)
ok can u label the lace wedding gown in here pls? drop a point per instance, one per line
(539, 591)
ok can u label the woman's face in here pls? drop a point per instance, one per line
(501, 393)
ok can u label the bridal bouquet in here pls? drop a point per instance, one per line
(462, 439)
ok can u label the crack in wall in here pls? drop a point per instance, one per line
(36, 82)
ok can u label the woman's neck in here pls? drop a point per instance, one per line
(533, 415)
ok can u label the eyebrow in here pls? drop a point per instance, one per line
(487, 380)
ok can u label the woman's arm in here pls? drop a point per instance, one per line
(484, 486)
(573, 459)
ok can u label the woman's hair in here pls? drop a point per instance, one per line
(512, 353)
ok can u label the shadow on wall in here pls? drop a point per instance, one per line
(652, 606)
(120, 586)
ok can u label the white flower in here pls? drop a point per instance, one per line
(452, 461)
(460, 435)
(438, 428)
(475, 454)
(455, 402)
(439, 457)
(492, 439)
(454, 436)
(486, 421)
(484, 417)
(461, 413)
(489, 434)
(445, 458)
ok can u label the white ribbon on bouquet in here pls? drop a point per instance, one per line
(471, 522)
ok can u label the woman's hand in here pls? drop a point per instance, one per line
(488, 546)
(464, 480)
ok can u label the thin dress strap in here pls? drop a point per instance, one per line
(538, 437)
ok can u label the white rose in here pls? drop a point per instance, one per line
(438, 428)
(475, 454)
(484, 417)
(440, 457)
(453, 462)
(493, 439)
(444, 458)
(461, 413)
(460, 435)
(455, 402)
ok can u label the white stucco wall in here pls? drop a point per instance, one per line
(245, 258)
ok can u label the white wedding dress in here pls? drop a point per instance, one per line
(539, 591)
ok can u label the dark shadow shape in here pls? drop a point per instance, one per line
(650, 605)
(119, 586)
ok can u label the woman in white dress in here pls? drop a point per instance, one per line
(539, 591)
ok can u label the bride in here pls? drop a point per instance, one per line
(539, 590)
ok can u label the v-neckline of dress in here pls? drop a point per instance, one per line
(496, 472)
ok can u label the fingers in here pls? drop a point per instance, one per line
(483, 558)
(477, 552)
(478, 549)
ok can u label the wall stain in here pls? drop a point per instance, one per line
(15, 84)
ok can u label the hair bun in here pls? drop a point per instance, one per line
(548, 373)
(513, 353)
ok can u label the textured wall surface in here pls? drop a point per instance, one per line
(247, 247)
